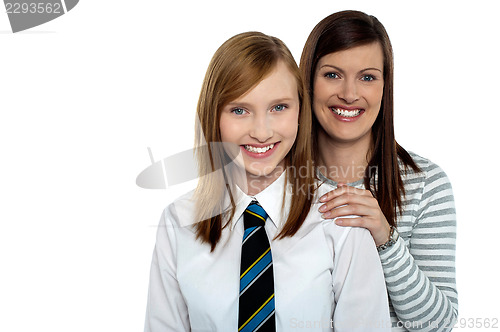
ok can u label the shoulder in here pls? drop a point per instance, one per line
(331, 229)
(430, 173)
(426, 165)
(428, 190)
(314, 217)
(323, 187)
(181, 212)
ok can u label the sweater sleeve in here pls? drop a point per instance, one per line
(420, 272)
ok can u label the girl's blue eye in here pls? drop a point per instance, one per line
(279, 108)
(368, 78)
(238, 111)
(331, 75)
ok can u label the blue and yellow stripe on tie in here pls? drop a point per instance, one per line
(259, 316)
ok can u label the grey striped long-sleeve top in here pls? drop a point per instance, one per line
(420, 268)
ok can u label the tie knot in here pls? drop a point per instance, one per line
(254, 215)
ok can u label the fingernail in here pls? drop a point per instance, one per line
(326, 215)
(338, 221)
(322, 208)
(322, 198)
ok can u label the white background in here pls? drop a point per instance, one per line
(83, 96)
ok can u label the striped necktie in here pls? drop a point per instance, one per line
(256, 308)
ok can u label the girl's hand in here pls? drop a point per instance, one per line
(346, 200)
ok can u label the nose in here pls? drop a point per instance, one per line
(348, 92)
(261, 128)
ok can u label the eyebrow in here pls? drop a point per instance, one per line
(272, 102)
(342, 71)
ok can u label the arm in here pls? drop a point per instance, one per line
(359, 286)
(421, 277)
(166, 309)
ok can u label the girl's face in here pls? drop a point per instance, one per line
(263, 123)
(348, 88)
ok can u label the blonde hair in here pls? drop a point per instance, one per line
(240, 64)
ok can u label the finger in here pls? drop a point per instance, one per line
(333, 193)
(330, 195)
(379, 232)
(335, 203)
(350, 209)
(344, 189)
(348, 198)
(352, 222)
(358, 191)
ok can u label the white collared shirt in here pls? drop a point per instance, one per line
(326, 277)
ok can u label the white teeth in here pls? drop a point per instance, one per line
(346, 113)
(258, 150)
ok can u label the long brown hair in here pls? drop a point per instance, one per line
(236, 67)
(345, 30)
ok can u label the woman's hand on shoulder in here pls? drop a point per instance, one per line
(346, 200)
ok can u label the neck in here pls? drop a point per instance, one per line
(343, 162)
(258, 183)
(252, 184)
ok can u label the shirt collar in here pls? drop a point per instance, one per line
(271, 200)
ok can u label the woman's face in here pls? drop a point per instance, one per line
(348, 88)
(263, 122)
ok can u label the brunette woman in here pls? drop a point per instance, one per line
(404, 200)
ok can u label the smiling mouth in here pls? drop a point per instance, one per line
(346, 113)
(258, 150)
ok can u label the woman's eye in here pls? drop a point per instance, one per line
(368, 78)
(279, 108)
(238, 111)
(331, 75)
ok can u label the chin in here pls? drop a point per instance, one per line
(258, 173)
(268, 170)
